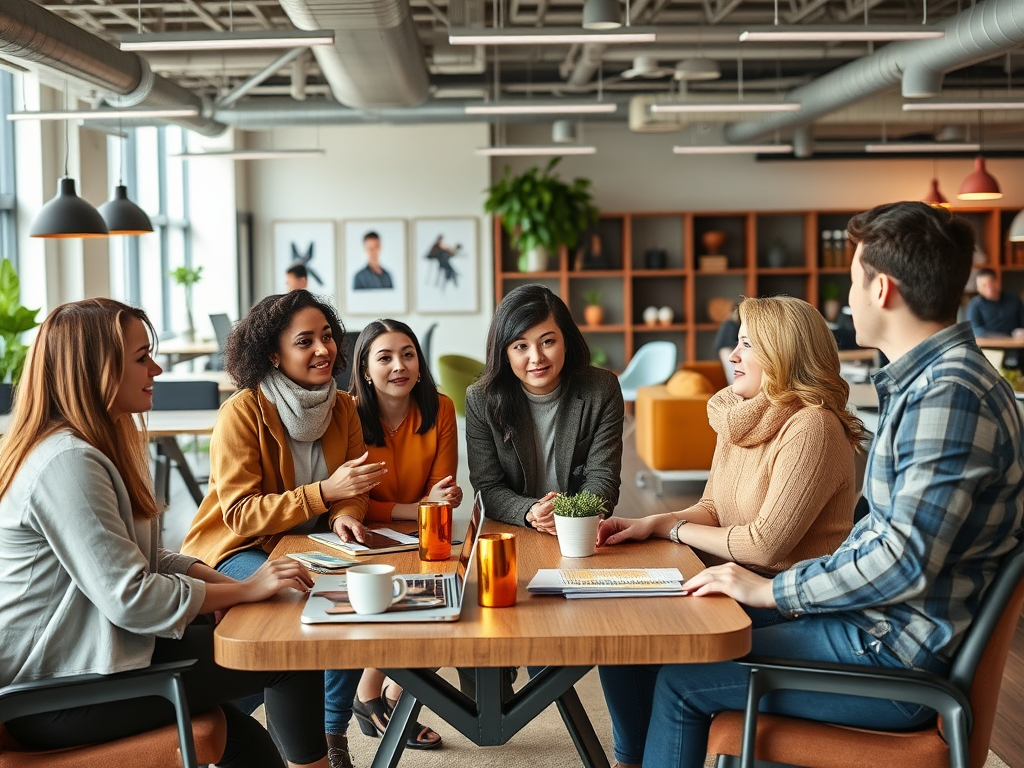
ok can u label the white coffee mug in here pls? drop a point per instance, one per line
(374, 588)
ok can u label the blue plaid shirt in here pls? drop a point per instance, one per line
(944, 482)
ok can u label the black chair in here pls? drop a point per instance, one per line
(183, 396)
(965, 699)
(6, 397)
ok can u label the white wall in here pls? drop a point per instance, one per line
(639, 172)
(380, 171)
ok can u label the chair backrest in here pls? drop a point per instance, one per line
(978, 667)
(457, 372)
(425, 343)
(221, 328)
(185, 395)
(6, 397)
(652, 364)
(344, 378)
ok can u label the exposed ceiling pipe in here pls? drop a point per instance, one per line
(376, 61)
(591, 54)
(30, 32)
(241, 90)
(990, 28)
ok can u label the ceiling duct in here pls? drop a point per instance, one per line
(376, 61)
(986, 30)
(32, 33)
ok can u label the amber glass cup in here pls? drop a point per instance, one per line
(496, 573)
(435, 523)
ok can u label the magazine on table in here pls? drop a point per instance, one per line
(607, 582)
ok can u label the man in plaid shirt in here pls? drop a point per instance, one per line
(944, 486)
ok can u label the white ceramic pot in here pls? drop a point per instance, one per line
(650, 316)
(577, 536)
(537, 259)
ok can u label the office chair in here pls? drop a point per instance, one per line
(965, 699)
(221, 328)
(196, 395)
(457, 372)
(190, 742)
(652, 364)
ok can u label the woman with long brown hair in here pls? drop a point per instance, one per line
(781, 487)
(84, 584)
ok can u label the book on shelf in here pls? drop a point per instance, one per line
(607, 582)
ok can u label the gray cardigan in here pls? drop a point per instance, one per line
(588, 457)
(84, 586)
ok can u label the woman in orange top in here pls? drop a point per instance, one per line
(409, 428)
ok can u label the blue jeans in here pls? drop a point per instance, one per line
(661, 715)
(339, 685)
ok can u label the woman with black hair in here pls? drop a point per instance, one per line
(411, 429)
(287, 452)
(541, 420)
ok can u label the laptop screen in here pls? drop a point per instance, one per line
(470, 542)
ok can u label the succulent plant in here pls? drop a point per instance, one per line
(582, 504)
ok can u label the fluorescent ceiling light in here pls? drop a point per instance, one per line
(524, 151)
(108, 114)
(252, 154)
(781, 33)
(542, 108)
(548, 36)
(731, 106)
(948, 105)
(218, 41)
(734, 149)
(922, 146)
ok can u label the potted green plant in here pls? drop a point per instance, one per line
(15, 319)
(830, 301)
(593, 313)
(186, 277)
(598, 357)
(576, 520)
(540, 212)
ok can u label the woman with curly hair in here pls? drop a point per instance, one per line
(287, 452)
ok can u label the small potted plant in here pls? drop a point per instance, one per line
(593, 313)
(598, 357)
(576, 520)
(830, 301)
(540, 213)
(15, 319)
(186, 277)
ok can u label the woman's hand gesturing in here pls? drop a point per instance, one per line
(275, 576)
(446, 489)
(352, 478)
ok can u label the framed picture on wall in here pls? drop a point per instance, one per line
(375, 268)
(445, 266)
(310, 244)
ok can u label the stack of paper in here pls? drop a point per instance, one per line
(607, 582)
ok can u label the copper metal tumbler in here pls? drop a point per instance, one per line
(496, 572)
(435, 524)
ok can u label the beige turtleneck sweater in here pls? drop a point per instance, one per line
(781, 482)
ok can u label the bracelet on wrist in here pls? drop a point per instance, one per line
(673, 533)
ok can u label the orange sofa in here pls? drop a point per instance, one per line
(673, 437)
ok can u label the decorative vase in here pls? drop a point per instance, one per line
(719, 309)
(713, 241)
(593, 314)
(831, 309)
(577, 536)
(536, 259)
(665, 315)
(655, 258)
(650, 316)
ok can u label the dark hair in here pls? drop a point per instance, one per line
(520, 310)
(299, 270)
(927, 251)
(256, 337)
(424, 392)
(985, 272)
(371, 235)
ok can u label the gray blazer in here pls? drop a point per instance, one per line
(588, 458)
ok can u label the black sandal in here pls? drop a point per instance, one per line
(373, 717)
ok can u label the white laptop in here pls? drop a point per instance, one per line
(431, 597)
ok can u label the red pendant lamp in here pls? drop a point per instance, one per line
(935, 198)
(979, 184)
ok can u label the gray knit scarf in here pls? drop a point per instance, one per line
(305, 413)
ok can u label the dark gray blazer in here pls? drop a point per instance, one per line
(588, 455)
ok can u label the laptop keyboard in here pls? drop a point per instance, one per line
(433, 586)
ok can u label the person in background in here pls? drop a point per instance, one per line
(296, 277)
(373, 276)
(410, 428)
(945, 491)
(541, 420)
(85, 586)
(726, 338)
(286, 455)
(995, 312)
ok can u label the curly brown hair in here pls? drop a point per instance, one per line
(251, 343)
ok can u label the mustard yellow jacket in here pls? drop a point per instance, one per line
(252, 499)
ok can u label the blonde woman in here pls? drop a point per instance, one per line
(84, 584)
(781, 487)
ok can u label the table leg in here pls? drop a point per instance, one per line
(168, 446)
(581, 730)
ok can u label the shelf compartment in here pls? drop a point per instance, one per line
(609, 234)
(783, 285)
(727, 286)
(614, 347)
(780, 241)
(659, 292)
(735, 229)
(612, 298)
(663, 232)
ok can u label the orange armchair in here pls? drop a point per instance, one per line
(673, 437)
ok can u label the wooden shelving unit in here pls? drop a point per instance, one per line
(768, 253)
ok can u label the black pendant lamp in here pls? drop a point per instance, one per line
(68, 215)
(123, 217)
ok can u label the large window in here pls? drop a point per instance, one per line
(159, 184)
(8, 242)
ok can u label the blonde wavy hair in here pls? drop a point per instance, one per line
(71, 377)
(799, 358)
